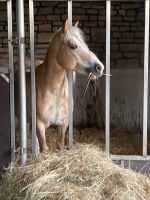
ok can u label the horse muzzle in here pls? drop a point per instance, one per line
(96, 69)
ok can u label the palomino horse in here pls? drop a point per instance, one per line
(67, 52)
(27, 61)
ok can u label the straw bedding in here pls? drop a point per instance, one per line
(82, 173)
(122, 141)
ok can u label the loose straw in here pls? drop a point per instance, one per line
(92, 77)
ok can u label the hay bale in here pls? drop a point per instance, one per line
(84, 172)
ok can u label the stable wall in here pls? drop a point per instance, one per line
(126, 100)
(5, 140)
(127, 29)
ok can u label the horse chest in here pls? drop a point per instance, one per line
(57, 115)
(56, 112)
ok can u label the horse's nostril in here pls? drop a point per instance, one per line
(98, 67)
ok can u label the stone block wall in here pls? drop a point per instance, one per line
(127, 29)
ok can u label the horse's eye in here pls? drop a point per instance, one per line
(73, 46)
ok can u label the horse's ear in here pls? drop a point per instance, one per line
(76, 24)
(65, 26)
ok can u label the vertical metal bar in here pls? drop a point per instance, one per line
(107, 106)
(35, 145)
(122, 163)
(11, 78)
(22, 83)
(146, 58)
(70, 86)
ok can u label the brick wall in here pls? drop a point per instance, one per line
(127, 30)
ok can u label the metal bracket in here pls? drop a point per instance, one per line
(13, 41)
(4, 77)
(13, 150)
(23, 151)
(17, 40)
(21, 40)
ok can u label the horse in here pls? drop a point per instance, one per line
(67, 51)
(27, 63)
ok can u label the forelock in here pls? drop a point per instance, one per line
(77, 33)
(72, 31)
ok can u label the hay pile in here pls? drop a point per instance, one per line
(122, 141)
(83, 173)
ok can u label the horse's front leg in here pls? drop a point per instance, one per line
(41, 136)
(61, 135)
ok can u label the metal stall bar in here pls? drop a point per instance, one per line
(22, 82)
(129, 157)
(146, 58)
(11, 78)
(70, 85)
(35, 146)
(107, 106)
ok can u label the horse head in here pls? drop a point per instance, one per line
(73, 52)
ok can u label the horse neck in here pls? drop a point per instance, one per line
(54, 73)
